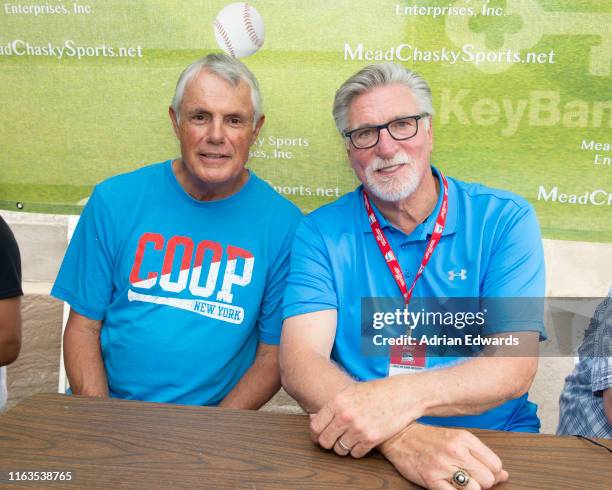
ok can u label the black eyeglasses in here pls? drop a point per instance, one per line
(399, 129)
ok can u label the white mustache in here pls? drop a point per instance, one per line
(399, 159)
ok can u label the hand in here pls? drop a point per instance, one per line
(429, 456)
(360, 417)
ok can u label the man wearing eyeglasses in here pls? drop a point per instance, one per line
(408, 231)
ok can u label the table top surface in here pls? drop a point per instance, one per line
(117, 443)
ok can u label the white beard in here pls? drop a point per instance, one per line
(392, 188)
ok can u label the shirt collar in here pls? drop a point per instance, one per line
(426, 228)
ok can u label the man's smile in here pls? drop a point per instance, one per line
(213, 156)
(390, 169)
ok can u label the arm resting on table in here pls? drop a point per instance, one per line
(462, 389)
(83, 356)
(367, 414)
(423, 454)
(429, 456)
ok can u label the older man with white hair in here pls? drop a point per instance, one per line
(176, 271)
(409, 232)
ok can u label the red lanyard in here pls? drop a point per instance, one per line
(387, 252)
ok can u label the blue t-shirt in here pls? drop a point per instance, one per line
(490, 248)
(185, 289)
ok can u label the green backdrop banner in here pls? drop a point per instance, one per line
(521, 92)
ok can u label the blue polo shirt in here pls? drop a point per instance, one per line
(491, 247)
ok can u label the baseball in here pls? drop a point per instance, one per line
(239, 30)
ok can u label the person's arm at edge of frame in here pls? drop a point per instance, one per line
(259, 383)
(607, 399)
(10, 329)
(83, 356)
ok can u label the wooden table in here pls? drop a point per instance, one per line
(113, 443)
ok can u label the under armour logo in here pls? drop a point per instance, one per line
(462, 274)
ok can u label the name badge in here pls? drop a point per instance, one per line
(407, 359)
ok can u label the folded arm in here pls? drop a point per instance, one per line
(423, 454)
(388, 405)
(475, 385)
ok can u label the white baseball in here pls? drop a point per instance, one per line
(239, 30)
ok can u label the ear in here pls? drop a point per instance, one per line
(258, 126)
(430, 133)
(174, 119)
(349, 154)
(347, 146)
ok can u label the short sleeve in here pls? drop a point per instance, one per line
(85, 277)
(310, 286)
(601, 374)
(515, 276)
(270, 315)
(10, 272)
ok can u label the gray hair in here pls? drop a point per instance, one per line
(375, 76)
(229, 69)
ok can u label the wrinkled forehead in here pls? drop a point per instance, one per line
(380, 105)
(208, 87)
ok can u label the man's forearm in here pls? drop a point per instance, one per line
(84, 365)
(312, 379)
(367, 414)
(259, 383)
(364, 415)
(468, 388)
(255, 388)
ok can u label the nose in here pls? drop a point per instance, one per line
(215, 134)
(386, 147)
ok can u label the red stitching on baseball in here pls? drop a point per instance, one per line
(246, 16)
(225, 37)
